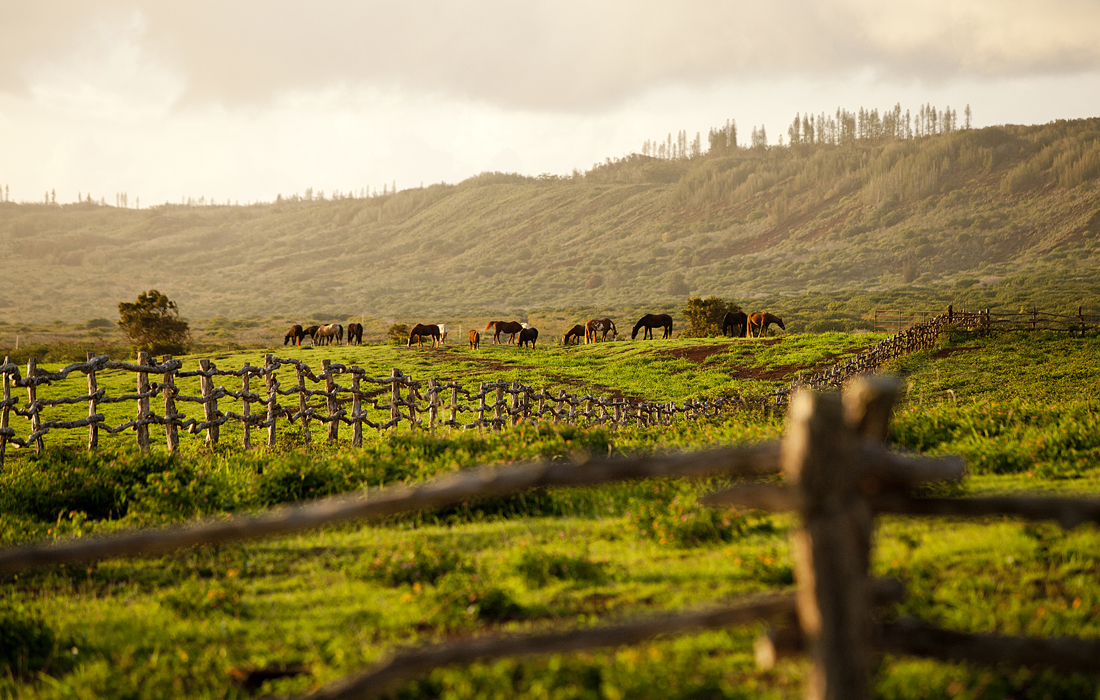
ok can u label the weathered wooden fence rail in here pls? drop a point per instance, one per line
(839, 475)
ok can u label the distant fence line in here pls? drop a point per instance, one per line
(421, 404)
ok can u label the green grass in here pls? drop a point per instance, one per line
(337, 599)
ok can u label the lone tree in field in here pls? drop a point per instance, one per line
(153, 325)
(704, 316)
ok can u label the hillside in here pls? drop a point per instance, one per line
(1002, 216)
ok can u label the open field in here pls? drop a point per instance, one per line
(1022, 409)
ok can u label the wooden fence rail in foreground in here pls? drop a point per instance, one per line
(839, 475)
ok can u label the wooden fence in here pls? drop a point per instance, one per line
(839, 475)
(378, 403)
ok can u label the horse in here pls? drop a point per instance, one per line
(759, 322)
(333, 332)
(295, 334)
(598, 325)
(510, 327)
(312, 333)
(475, 340)
(573, 334)
(355, 333)
(651, 321)
(528, 335)
(421, 330)
(738, 320)
(442, 333)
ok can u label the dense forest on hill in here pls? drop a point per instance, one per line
(1002, 216)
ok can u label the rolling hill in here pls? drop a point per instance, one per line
(1001, 216)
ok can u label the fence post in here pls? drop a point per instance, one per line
(542, 404)
(433, 403)
(303, 405)
(356, 412)
(331, 404)
(246, 411)
(395, 397)
(514, 390)
(141, 428)
(481, 406)
(32, 401)
(821, 462)
(209, 403)
(558, 406)
(454, 401)
(4, 412)
(168, 387)
(272, 397)
(950, 313)
(93, 429)
(412, 397)
(498, 408)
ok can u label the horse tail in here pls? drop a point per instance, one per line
(489, 325)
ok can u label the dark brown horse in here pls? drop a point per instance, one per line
(651, 321)
(424, 330)
(312, 333)
(509, 327)
(759, 322)
(528, 335)
(475, 340)
(737, 323)
(355, 334)
(599, 325)
(294, 335)
(573, 335)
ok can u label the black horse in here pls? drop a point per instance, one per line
(736, 323)
(355, 334)
(651, 321)
(528, 335)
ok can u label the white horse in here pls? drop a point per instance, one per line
(442, 333)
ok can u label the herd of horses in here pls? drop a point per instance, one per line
(736, 323)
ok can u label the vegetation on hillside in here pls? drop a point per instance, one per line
(1000, 216)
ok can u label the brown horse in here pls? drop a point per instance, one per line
(294, 335)
(355, 334)
(475, 340)
(528, 335)
(509, 327)
(651, 321)
(422, 330)
(599, 325)
(737, 322)
(573, 335)
(759, 322)
(312, 333)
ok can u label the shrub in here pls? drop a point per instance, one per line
(398, 332)
(413, 562)
(674, 517)
(153, 325)
(705, 316)
(464, 599)
(538, 567)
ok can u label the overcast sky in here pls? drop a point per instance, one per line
(243, 101)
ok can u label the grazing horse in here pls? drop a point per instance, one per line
(573, 334)
(294, 335)
(422, 330)
(651, 321)
(475, 340)
(528, 335)
(312, 333)
(599, 325)
(355, 333)
(442, 333)
(737, 322)
(759, 322)
(509, 327)
(329, 334)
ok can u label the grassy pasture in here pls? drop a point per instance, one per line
(337, 599)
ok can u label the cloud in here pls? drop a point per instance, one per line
(547, 55)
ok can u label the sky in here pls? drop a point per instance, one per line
(243, 101)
